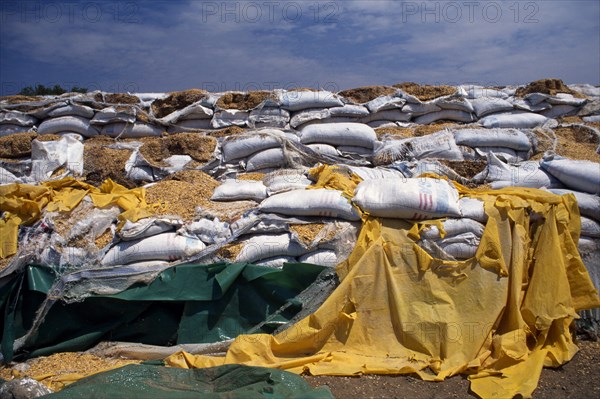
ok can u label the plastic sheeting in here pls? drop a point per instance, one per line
(184, 304)
(225, 382)
(499, 317)
(23, 204)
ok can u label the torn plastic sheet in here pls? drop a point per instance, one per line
(190, 303)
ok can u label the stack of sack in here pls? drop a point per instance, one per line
(298, 222)
(144, 115)
(286, 214)
(259, 150)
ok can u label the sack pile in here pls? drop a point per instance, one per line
(129, 185)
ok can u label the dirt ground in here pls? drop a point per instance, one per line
(580, 378)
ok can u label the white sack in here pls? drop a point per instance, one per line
(298, 100)
(47, 156)
(166, 246)
(16, 118)
(242, 146)
(147, 227)
(285, 180)
(393, 115)
(322, 257)
(445, 114)
(132, 130)
(354, 134)
(8, 129)
(208, 231)
(271, 158)
(319, 202)
(189, 125)
(324, 149)
(525, 120)
(237, 190)
(72, 110)
(229, 117)
(75, 124)
(509, 138)
(590, 227)
(349, 110)
(268, 246)
(269, 116)
(472, 208)
(366, 173)
(575, 174)
(489, 105)
(453, 227)
(419, 198)
(309, 115)
(383, 103)
(525, 174)
(114, 115)
(440, 145)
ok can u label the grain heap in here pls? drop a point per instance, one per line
(56, 371)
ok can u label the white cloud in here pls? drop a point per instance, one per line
(362, 42)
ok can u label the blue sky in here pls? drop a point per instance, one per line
(154, 46)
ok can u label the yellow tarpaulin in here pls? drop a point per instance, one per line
(24, 203)
(499, 317)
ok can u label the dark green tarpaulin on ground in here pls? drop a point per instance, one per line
(184, 304)
(223, 382)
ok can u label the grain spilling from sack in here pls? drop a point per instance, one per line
(200, 148)
(186, 190)
(179, 197)
(119, 98)
(226, 132)
(547, 86)
(251, 176)
(365, 94)
(577, 143)
(307, 232)
(230, 251)
(243, 101)
(101, 163)
(425, 92)
(176, 100)
(16, 145)
(424, 130)
(395, 132)
(194, 177)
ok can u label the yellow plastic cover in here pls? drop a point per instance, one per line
(23, 204)
(499, 317)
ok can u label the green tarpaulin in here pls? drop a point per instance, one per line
(223, 382)
(184, 304)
